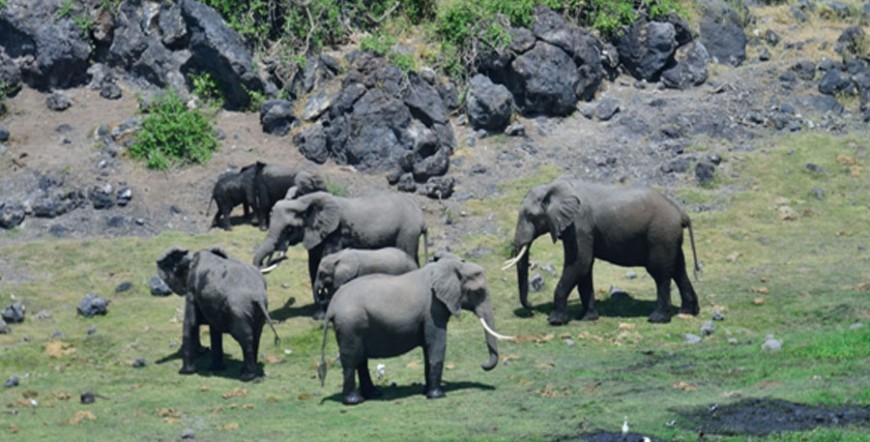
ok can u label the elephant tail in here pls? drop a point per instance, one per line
(425, 233)
(321, 368)
(687, 223)
(269, 320)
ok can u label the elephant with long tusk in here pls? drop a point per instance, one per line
(381, 316)
(626, 226)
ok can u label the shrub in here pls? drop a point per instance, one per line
(172, 134)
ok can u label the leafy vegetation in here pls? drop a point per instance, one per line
(802, 279)
(173, 134)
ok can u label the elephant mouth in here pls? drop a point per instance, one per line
(272, 264)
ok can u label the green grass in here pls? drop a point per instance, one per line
(802, 280)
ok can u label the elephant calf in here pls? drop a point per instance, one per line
(381, 316)
(230, 190)
(228, 295)
(337, 269)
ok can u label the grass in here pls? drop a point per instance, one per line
(802, 279)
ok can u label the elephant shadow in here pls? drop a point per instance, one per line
(202, 360)
(622, 306)
(399, 392)
(291, 310)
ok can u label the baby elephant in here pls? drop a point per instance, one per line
(381, 316)
(337, 269)
(228, 295)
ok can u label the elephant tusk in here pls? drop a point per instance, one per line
(513, 261)
(272, 265)
(494, 334)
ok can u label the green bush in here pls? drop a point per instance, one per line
(172, 134)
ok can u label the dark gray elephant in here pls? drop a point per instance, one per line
(381, 316)
(228, 295)
(338, 268)
(274, 182)
(325, 224)
(230, 190)
(631, 226)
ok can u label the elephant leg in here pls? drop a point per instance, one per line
(225, 218)
(366, 386)
(587, 298)
(314, 257)
(576, 263)
(350, 351)
(217, 349)
(433, 357)
(662, 313)
(688, 297)
(190, 337)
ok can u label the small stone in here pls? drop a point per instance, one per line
(536, 284)
(856, 326)
(43, 314)
(631, 275)
(92, 330)
(718, 316)
(14, 313)
(92, 305)
(87, 397)
(515, 130)
(188, 434)
(569, 342)
(549, 268)
(4, 328)
(692, 338)
(123, 287)
(708, 328)
(818, 193)
(771, 344)
(57, 335)
(139, 363)
(617, 294)
(12, 381)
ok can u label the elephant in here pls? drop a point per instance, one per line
(226, 294)
(631, 226)
(338, 268)
(325, 224)
(229, 191)
(276, 182)
(381, 316)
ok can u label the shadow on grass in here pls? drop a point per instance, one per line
(623, 306)
(202, 361)
(291, 310)
(398, 392)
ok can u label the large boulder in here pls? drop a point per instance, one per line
(53, 51)
(722, 32)
(542, 81)
(690, 69)
(489, 105)
(647, 48)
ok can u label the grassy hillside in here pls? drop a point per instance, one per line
(780, 258)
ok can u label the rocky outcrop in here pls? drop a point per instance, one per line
(722, 33)
(489, 106)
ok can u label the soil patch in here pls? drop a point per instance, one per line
(760, 417)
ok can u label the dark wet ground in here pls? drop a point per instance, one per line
(759, 417)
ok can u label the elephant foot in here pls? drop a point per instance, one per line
(352, 398)
(371, 393)
(187, 369)
(248, 376)
(558, 318)
(527, 305)
(435, 393)
(659, 317)
(589, 315)
(690, 310)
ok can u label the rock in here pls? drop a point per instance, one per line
(516, 129)
(11, 216)
(646, 48)
(102, 197)
(188, 434)
(836, 82)
(139, 363)
(87, 397)
(805, 70)
(92, 305)
(771, 344)
(705, 172)
(276, 117)
(12, 381)
(159, 287)
(92, 330)
(4, 134)
(439, 187)
(317, 105)
(850, 43)
(771, 37)
(110, 91)
(10, 75)
(58, 102)
(4, 328)
(489, 106)
(123, 287)
(818, 193)
(607, 108)
(536, 282)
(424, 101)
(406, 183)
(691, 67)
(631, 274)
(543, 81)
(718, 315)
(763, 54)
(721, 30)
(312, 143)
(678, 165)
(53, 50)
(617, 294)
(14, 313)
(693, 339)
(124, 196)
(707, 328)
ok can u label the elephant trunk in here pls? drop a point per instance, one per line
(484, 312)
(523, 277)
(265, 249)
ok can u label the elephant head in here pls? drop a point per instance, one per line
(463, 286)
(174, 266)
(331, 268)
(308, 219)
(552, 208)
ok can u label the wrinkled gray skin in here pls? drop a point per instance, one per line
(229, 191)
(272, 183)
(382, 316)
(228, 295)
(325, 224)
(338, 268)
(632, 226)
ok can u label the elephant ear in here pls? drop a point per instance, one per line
(174, 266)
(447, 284)
(307, 182)
(219, 251)
(322, 218)
(562, 207)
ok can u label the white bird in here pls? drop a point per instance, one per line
(625, 426)
(380, 370)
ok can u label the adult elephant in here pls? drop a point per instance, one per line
(635, 226)
(274, 182)
(228, 295)
(230, 190)
(381, 316)
(325, 224)
(337, 269)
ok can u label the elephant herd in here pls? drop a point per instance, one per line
(366, 276)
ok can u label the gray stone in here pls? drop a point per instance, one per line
(14, 313)
(439, 187)
(771, 344)
(543, 81)
(691, 67)
(693, 339)
(707, 328)
(705, 172)
(92, 305)
(805, 70)
(617, 294)
(646, 48)
(836, 82)
(4, 327)
(188, 434)
(4, 134)
(58, 102)
(489, 106)
(718, 315)
(721, 30)
(12, 381)
(607, 108)
(123, 287)
(536, 282)
(631, 274)
(276, 117)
